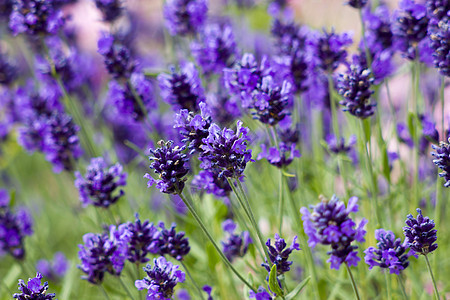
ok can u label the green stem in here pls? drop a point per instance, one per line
(125, 288)
(138, 276)
(200, 292)
(224, 258)
(104, 291)
(355, 288)
(436, 292)
(334, 117)
(280, 201)
(388, 285)
(402, 287)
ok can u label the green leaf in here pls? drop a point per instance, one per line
(386, 168)
(12, 198)
(367, 129)
(412, 125)
(213, 257)
(298, 289)
(273, 282)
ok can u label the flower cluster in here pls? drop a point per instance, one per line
(442, 160)
(420, 234)
(55, 269)
(34, 290)
(234, 245)
(439, 34)
(329, 49)
(261, 294)
(279, 254)
(8, 70)
(210, 182)
(173, 243)
(330, 224)
(117, 56)
(390, 253)
(161, 279)
(110, 9)
(100, 183)
(185, 17)
(280, 156)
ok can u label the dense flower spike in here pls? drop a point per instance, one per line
(171, 164)
(161, 279)
(226, 150)
(55, 269)
(355, 86)
(13, 228)
(185, 17)
(117, 57)
(215, 49)
(103, 253)
(261, 294)
(234, 245)
(173, 243)
(35, 17)
(390, 253)
(193, 128)
(100, 185)
(329, 49)
(110, 9)
(442, 160)
(34, 290)
(183, 89)
(279, 254)
(280, 156)
(439, 33)
(210, 182)
(420, 234)
(330, 224)
(144, 238)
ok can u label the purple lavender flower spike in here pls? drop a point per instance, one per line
(171, 164)
(117, 57)
(208, 290)
(439, 34)
(210, 182)
(34, 289)
(161, 279)
(144, 238)
(173, 243)
(330, 224)
(55, 269)
(279, 254)
(100, 183)
(390, 253)
(420, 233)
(280, 157)
(261, 294)
(404, 135)
(354, 86)
(226, 150)
(234, 245)
(110, 9)
(183, 89)
(183, 17)
(329, 49)
(442, 160)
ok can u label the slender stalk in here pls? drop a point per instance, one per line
(280, 201)
(436, 292)
(208, 235)
(138, 276)
(334, 117)
(355, 288)
(125, 288)
(388, 285)
(402, 286)
(104, 292)
(200, 292)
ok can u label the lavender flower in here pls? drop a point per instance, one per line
(439, 34)
(103, 253)
(208, 290)
(161, 279)
(55, 269)
(226, 150)
(234, 245)
(337, 147)
(279, 254)
(171, 165)
(185, 17)
(329, 50)
(280, 156)
(261, 294)
(193, 128)
(35, 17)
(8, 71)
(442, 160)
(182, 90)
(33, 290)
(144, 238)
(117, 57)
(390, 253)
(215, 49)
(355, 86)
(173, 243)
(110, 9)
(330, 224)
(420, 233)
(211, 183)
(100, 183)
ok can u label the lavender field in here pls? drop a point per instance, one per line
(224, 149)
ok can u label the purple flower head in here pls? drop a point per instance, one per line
(261, 294)
(442, 160)
(35, 17)
(420, 233)
(110, 9)
(171, 164)
(390, 253)
(14, 226)
(404, 135)
(144, 238)
(161, 279)
(378, 28)
(208, 290)
(116, 56)
(100, 183)
(210, 182)
(329, 49)
(33, 290)
(182, 90)
(8, 70)
(183, 17)
(354, 86)
(103, 253)
(429, 130)
(127, 102)
(55, 269)
(279, 254)
(357, 3)
(439, 35)
(330, 224)
(223, 108)
(215, 49)
(193, 128)
(226, 150)
(234, 245)
(173, 243)
(280, 156)
(338, 147)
